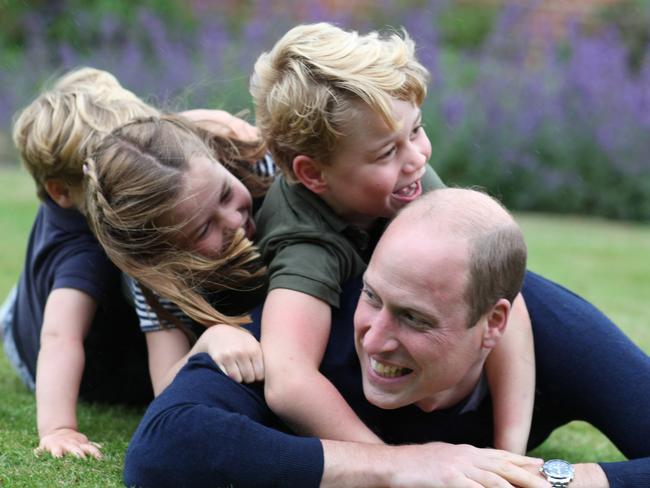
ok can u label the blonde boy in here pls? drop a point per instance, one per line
(68, 330)
(341, 115)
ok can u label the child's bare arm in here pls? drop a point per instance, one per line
(165, 348)
(511, 375)
(67, 318)
(295, 330)
(237, 353)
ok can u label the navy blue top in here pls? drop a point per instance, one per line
(587, 369)
(63, 253)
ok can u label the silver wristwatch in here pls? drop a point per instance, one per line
(557, 472)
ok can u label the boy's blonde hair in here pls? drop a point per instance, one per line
(134, 181)
(55, 133)
(305, 88)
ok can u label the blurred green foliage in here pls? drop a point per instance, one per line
(466, 26)
(548, 125)
(78, 23)
(632, 19)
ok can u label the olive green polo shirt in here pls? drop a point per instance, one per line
(310, 249)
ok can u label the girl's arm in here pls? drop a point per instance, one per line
(61, 359)
(295, 331)
(235, 350)
(166, 349)
(511, 374)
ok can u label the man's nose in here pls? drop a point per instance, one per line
(380, 336)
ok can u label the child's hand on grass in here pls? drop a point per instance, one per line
(68, 441)
(237, 353)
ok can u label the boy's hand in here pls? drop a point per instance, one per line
(237, 353)
(68, 441)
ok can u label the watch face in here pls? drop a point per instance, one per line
(558, 469)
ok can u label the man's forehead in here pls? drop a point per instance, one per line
(409, 259)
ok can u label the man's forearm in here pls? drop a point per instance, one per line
(348, 464)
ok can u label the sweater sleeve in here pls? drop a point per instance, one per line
(634, 473)
(587, 369)
(207, 430)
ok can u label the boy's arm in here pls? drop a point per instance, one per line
(295, 331)
(511, 374)
(66, 321)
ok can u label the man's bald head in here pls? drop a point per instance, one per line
(495, 245)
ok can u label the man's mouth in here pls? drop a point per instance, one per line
(408, 192)
(387, 370)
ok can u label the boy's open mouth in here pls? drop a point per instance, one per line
(408, 192)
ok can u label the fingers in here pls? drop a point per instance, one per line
(519, 470)
(243, 367)
(60, 447)
(488, 479)
(237, 353)
(519, 476)
(229, 367)
(258, 366)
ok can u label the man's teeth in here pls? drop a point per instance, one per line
(387, 370)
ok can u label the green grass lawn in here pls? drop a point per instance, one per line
(605, 262)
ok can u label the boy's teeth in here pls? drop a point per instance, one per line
(409, 190)
(386, 370)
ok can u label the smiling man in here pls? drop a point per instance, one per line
(435, 301)
(429, 348)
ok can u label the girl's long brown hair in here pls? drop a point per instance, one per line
(134, 180)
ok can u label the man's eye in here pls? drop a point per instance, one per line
(370, 296)
(415, 321)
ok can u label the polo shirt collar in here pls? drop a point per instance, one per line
(364, 240)
(67, 219)
(324, 210)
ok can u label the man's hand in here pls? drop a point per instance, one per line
(433, 465)
(450, 465)
(68, 441)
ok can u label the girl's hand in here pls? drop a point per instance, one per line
(237, 353)
(68, 441)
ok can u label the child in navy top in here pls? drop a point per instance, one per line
(68, 330)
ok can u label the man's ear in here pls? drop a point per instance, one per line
(60, 192)
(496, 321)
(309, 172)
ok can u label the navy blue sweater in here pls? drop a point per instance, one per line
(207, 430)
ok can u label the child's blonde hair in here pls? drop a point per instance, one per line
(304, 89)
(55, 133)
(134, 180)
